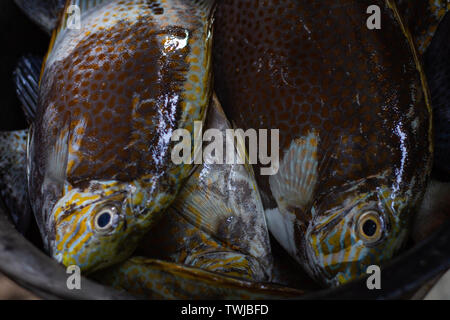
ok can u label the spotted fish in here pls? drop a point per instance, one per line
(111, 94)
(355, 127)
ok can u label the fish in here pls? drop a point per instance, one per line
(355, 125)
(423, 19)
(13, 177)
(111, 93)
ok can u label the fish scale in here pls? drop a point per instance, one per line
(354, 119)
(111, 95)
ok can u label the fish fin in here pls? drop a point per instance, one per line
(44, 13)
(56, 168)
(223, 200)
(197, 203)
(200, 206)
(26, 78)
(282, 227)
(295, 182)
(156, 279)
(13, 179)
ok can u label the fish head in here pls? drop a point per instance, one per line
(97, 226)
(353, 230)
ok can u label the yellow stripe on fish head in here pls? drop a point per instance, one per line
(97, 226)
(363, 229)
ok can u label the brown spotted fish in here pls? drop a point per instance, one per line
(354, 124)
(118, 80)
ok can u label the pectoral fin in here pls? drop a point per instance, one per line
(293, 189)
(294, 184)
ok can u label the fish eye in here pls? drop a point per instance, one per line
(104, 218)
(370, 227)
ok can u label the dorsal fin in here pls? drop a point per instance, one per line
(26, 78)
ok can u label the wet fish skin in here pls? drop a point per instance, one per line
(354, 120)
(429, 25)
(111, 94)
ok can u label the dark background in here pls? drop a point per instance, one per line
(18, 36)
